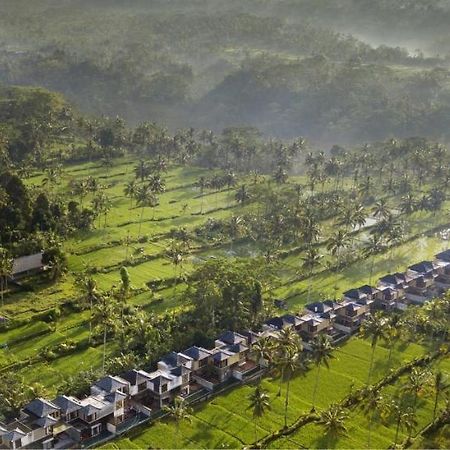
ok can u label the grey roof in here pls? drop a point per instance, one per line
(111, 384)
(222, 355)
(44, 422)
(368, 289)
(317, 307)
(26, 263)
(67, 404)
(445, 255)
(40, 407)
(133, 376)
(237, 348)
(231, 337)
(197, 353)
(13, 435)
(422, 267)
(113, 397)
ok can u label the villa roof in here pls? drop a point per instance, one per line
(197, 353)
(231, 337)
(111, 384)
(222, 355)
(445, 255)
(45, 422)
(26, 263)
(40, 407)
(133, 376)
(422, 267)
(13, 435)
(67, 404)
(317, 307)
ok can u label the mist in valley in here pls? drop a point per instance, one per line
(341, 72)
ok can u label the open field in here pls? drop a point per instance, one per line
(231, 425)
(121, 239)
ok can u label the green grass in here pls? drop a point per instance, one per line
(228, 415)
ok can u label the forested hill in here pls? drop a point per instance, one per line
(289, 68)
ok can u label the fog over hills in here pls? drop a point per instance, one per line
(344, 71)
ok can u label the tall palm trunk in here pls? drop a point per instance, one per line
(436, 401)
(369, 438)
(140, 222)
(281, 382)
(315, 387)
(104, 348)
(286, 401)
(371, 364)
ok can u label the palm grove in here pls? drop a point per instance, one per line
(389, 181)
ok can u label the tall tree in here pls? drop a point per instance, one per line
(321, 354)
(373, 328)
(259, 404)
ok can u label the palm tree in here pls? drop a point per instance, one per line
(310, 261)
(131, 190)
(6, 268)
(242, 195)
(259, 403)
(333, 421)
(381, 209)
(264, 350)
(179, 412)
(89, 286)
(286, 341)
(123, 294)
(105, 317)
(292, 363)
(338, 241)
(371, 404)
(404, 417)
(373, 328)
(321, 354)
(373, 246)
(418, 382)
(440, 386)
(176, 257)
(393, 332)
(145, 198)
(202, 184)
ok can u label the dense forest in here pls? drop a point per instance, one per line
(287, 68)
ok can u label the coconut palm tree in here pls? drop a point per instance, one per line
(242, 195)
(381, 209)
(373, 328)
(336, 243)
(179, 412)
(440, 386)
(311, 260)
(373, 246)
(130, 190)
(394, 332)
(259, 404)
(105, 317)
(404, 417)
(291, 363)
(371, 404)
(6, 267)
(264, 350)
(287, 340)
(417, 384)
(321, 354)
(145, 197)
(89, 287)
(333, 421)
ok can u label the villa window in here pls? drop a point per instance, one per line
(164, 388)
